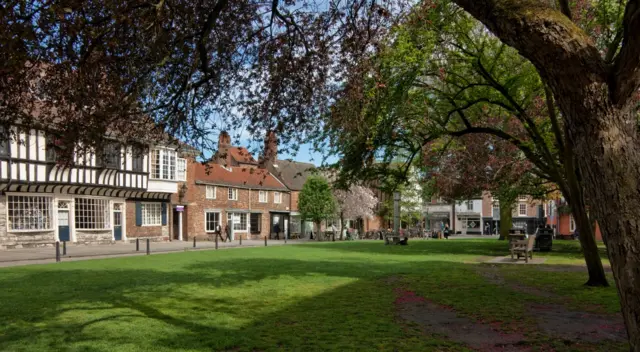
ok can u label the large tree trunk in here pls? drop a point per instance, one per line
(579, 210)
(341, 224)
(609, 159)
(506, 221)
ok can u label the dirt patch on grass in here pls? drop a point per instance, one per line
(440, 320)
(557, 321)
(492, 274)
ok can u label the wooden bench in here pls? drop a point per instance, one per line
(523, 248)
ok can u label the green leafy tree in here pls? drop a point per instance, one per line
(316, 201)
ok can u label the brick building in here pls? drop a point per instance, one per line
(232, 190)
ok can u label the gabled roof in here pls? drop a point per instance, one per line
(293, 173)
(242, 155)
(238, 176)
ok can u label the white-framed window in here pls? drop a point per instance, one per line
(277, 197)
(211, 192)
(470, 205)
(549, 208)
(262, 196)
(181, 169)
(163, 164)
(572, 224)
(92, 214)
(151, 214)
(522, 209)
(211, 220)
(29, 213)
(233, 193)
(522, 198)
(239, 221)
(495, 209)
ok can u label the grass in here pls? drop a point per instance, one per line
(315, 297)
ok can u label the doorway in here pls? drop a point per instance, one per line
(117, 221)
(64, 233)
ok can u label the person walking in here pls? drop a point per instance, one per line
(276, 229)
(446, 231)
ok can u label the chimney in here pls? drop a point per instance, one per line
(270, 153)
(224, 142)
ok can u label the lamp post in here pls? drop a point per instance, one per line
(396, 212)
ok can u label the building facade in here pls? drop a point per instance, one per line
(101, 196)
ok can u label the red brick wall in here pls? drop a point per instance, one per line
(487, 204)
(564, 226)
(133, 231)
(295, 198)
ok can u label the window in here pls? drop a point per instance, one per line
(109, 156)
(277, 197)
(4, 141)
(52, 145)
(91, 213)
(496, 209)
(151, 214)
(239, 221)
(181, 169)
(256, 223)
(211, 192)
(212, 221)
(549, 208)
(572, 224)
(29, 212)
(137, 159)
(522, 198)
(262, 197)
(470, 205)
(522, 209)
(163, 164)
(233, 193)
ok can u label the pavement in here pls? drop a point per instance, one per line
(45, 255)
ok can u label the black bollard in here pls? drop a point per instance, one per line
(265, 241)
(194, 241)
(216, 242)
(64, 248)
(137, 245)
(148, 246)
(57, 251)
(333, 237)
(241, 240)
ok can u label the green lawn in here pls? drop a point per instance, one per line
(315, 297)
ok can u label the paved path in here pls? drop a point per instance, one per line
(26, 256)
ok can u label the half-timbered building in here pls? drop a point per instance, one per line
(114, 194)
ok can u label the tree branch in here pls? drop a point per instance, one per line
(554, 119)
(565, 9)
(626, 67)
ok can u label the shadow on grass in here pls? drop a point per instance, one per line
(215, 301)
(477, 247)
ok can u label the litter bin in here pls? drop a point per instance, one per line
(544, 240)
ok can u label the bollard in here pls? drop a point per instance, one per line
(265, 241)
(241, 240)
(137, 245)
(64, 247)
(285, 238)
(194, 241)
(148, 247)
(57, 251)
(333, 237)
(216, 242)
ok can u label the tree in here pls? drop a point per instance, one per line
(475, 163)
(316, 202)
(356, 202)
(442, 75)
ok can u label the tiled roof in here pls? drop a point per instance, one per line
(293, 173)
(238, 176)
(242, 155)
